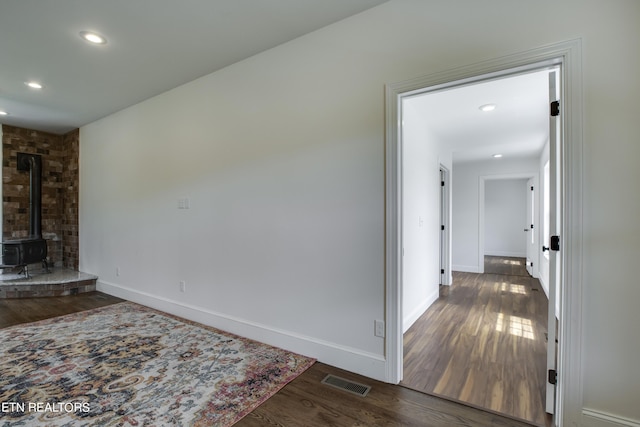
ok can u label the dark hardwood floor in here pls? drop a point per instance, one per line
(304, 401)
(14, 311)
(507, 266)
(483, 342)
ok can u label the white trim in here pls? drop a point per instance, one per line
(466, 268)
(348, 358)
(570, 381)
(593, 418)
(506, 254)
(393, 231)
(445, 247)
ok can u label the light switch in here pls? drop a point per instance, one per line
(184, 203)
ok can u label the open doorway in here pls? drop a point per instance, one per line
(568, 377)
(567, 55)
(482, 341)
(510, 216)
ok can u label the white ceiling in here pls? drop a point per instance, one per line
(518, 127)
(156, 45)
(153, 46)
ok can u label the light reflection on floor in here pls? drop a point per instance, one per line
(514, 289)
(515, 325)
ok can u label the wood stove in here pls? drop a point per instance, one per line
(33, 249)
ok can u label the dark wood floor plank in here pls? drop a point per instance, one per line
(483, 342)
(511, 266)
(23, 310)
(305, 401)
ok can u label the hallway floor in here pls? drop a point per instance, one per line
(483, 342)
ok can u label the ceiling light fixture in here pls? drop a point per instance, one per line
(487, 107)
(92, 37)
(497, 156)
(33, 85)
(3, 113)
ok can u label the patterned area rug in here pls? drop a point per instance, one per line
(128, 365)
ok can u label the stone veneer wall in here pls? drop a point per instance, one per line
(59, 190)
(71, 180)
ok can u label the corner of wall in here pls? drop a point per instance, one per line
(60, 184)
(412, 317)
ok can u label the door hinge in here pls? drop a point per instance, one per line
(442, 227)
(552, 376)
(555, 108)
(442, 183)
(532, 188)
(442, 271)
(532, 226)
(554, 244)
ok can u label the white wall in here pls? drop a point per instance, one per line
(282, 157)
(505, 204)
(420, 222)
(466, 215)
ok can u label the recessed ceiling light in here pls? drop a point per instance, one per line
(487, 107)
(497, 156)
(92, 37)
(33, 85)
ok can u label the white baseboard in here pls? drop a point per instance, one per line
(507, 254)
(593, 418)
(351, 359)
(544, 285)
(411, 318)
(466, 268)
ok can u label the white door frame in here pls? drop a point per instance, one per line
(569, 56)
(532, 223)
(445, 220)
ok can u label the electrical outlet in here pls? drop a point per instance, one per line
(183, 286)
(379, 328)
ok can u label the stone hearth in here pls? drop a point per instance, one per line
(59, 282)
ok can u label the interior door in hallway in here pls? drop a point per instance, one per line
(530, 228)
(555, 230)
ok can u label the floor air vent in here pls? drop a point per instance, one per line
(346, 385)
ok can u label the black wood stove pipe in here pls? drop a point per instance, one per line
(33, 164)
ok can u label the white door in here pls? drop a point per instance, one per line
(442, 229)
(555, 231)
(530, 228)
(445, 270)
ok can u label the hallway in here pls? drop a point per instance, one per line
(483, 342)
